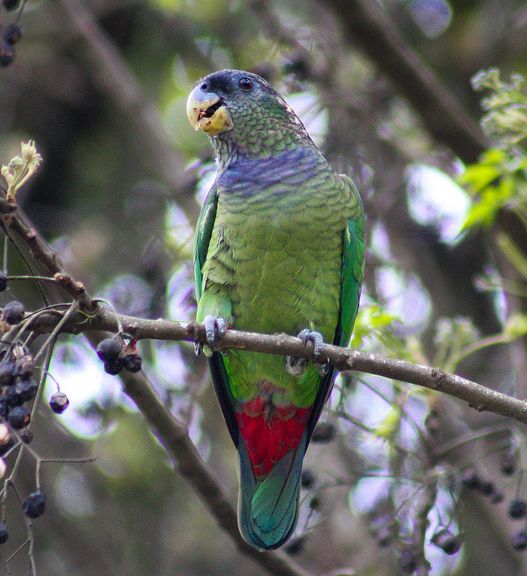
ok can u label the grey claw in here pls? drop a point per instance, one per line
(214, 328)
(198, 348)
(315, 338)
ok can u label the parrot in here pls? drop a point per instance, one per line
(279, 248)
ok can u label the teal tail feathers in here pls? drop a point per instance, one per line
(268, 508)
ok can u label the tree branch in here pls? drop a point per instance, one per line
(477, 396)
(365, 23)
(172, 434)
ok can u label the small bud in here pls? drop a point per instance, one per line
(59, 402)
(34, 505)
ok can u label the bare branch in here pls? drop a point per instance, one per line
(112, 75)
(477, 396)
(364, 22)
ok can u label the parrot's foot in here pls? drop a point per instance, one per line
(215, 328)
(296, 366)
(314, 337)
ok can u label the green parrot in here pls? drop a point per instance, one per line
(279, 248)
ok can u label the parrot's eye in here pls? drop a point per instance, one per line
(246, 84)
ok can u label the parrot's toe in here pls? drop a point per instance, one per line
(215, 328)
(315, 338)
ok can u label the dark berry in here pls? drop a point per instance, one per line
(27, 389)
(295, 546)
(26, 436)
(13, 398)
(59, 402)
(308, 479)
(19, 417)
(114, 367)
(448, 542)
(408, 562)
(34, 505)
(12, 35)
(471, 479)
(4, 534)
(508, 463)
(7, 373)
(109, 350)
(3, 281)
(133, 362)
(324, 432)
(519, 540)
(517, 508)
(11, 4)
(13, 312)
(486, 488)
(4, 448)
(497, 497)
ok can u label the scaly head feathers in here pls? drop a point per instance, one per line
(244, 115)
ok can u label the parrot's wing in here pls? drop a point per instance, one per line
(218, 372)
(350, 288)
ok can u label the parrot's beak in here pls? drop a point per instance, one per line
(206, 111)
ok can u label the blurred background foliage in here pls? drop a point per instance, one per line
(101, 86)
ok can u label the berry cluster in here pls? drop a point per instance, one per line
(116, 355)
(17, 386)
(517, 507)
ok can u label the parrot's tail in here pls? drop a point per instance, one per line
(268, 508)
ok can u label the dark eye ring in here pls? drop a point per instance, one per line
(246, 84)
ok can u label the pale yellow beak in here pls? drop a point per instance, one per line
(206, 112)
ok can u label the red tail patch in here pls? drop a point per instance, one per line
(270, 431)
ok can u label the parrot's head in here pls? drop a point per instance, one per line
(243, 108)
